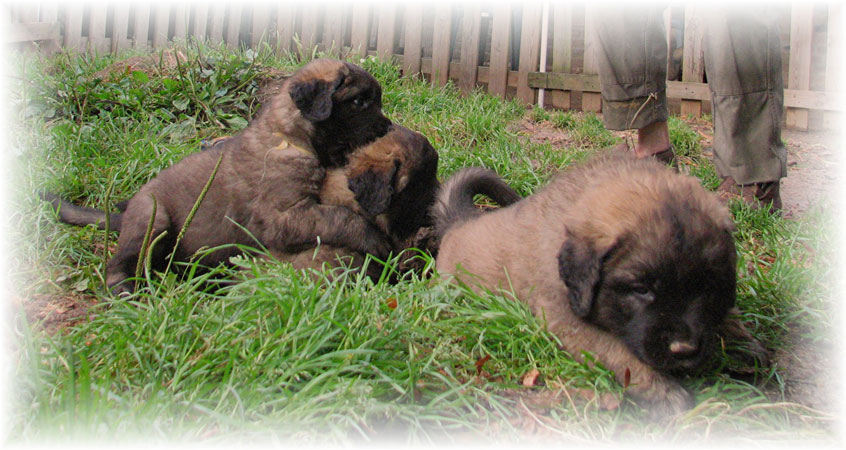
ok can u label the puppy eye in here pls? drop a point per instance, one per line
(360, 102)
(642, 292)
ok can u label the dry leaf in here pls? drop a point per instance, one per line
(627, 378)
(391, 302)
(480, 362)
(530, 377)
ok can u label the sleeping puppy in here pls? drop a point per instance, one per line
(267, 186)
(622, 257)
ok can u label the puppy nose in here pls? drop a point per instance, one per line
(682, 348)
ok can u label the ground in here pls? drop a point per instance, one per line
(811, 181)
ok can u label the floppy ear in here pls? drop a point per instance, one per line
(374, 189)
(313, 98)
(579, 266)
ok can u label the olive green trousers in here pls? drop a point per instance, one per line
(743, 68)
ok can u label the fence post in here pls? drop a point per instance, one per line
(412, 51)
(442, 44)
(284, 26)
(562, 49)
(73, 26)
(470, 29)
(799, 72)
(530, 37)
(233, 27)
(834, 60)
(360, 37)
(386, 33)
(201, 19)
(119, 27)
(161, 21)
(500, 49)
(693, 65)
(591, 101)
(308, 36)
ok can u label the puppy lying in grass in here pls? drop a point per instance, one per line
(623, 258)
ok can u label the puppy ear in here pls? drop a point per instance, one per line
(374, 189)
(313, 98)
(579, 266)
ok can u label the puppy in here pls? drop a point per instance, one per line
(622, 257)
(267, 186)
(392, 182)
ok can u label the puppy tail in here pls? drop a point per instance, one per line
(82, 215)
(454, 202)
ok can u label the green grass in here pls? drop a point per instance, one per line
(284, 356)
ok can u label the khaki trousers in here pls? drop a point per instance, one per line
(743, 66)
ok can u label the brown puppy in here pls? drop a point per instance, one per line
(392, 181)
(269, 179)
(623, 258)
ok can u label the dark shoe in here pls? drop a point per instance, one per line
(667, 156)
(755, 195)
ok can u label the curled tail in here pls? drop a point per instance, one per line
(82, 215)
(454, 202)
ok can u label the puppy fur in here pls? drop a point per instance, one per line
(268, 184)
(622, 257)
(392, 181)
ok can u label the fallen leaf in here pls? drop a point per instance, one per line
(480, 362)
(627, 378)
(530, 377)
(392, 303)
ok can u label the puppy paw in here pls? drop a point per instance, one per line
(664, 398)
(741, 345)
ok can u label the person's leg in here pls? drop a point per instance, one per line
(743, 65)
(632, 59)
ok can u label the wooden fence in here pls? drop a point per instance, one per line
(497, 46)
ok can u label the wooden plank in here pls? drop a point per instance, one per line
(161, 22)
(817, 100)
(29, 32)
(50, 14)
(201, 20)
(471, 24)
(530, 38)
(834, 61)
(413, 50)
(97, 30)
(120, 27)
(218, 14)
(442, 44)
(562, 49)
(180, 21)
(141, 25)
(799, 73)
(693, 63)
(386, 33)
(590, 101)
(308, 35)
(233, 26)
(360, 35)
(73, 26)
(500, 49)
(333, 29)
(827, 101)
(260, 25)
(284, 26)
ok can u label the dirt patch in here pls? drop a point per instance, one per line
(53, 313)
(152, 64)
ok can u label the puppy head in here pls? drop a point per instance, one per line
(396, 175)
(343, 103)
(653, 261)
